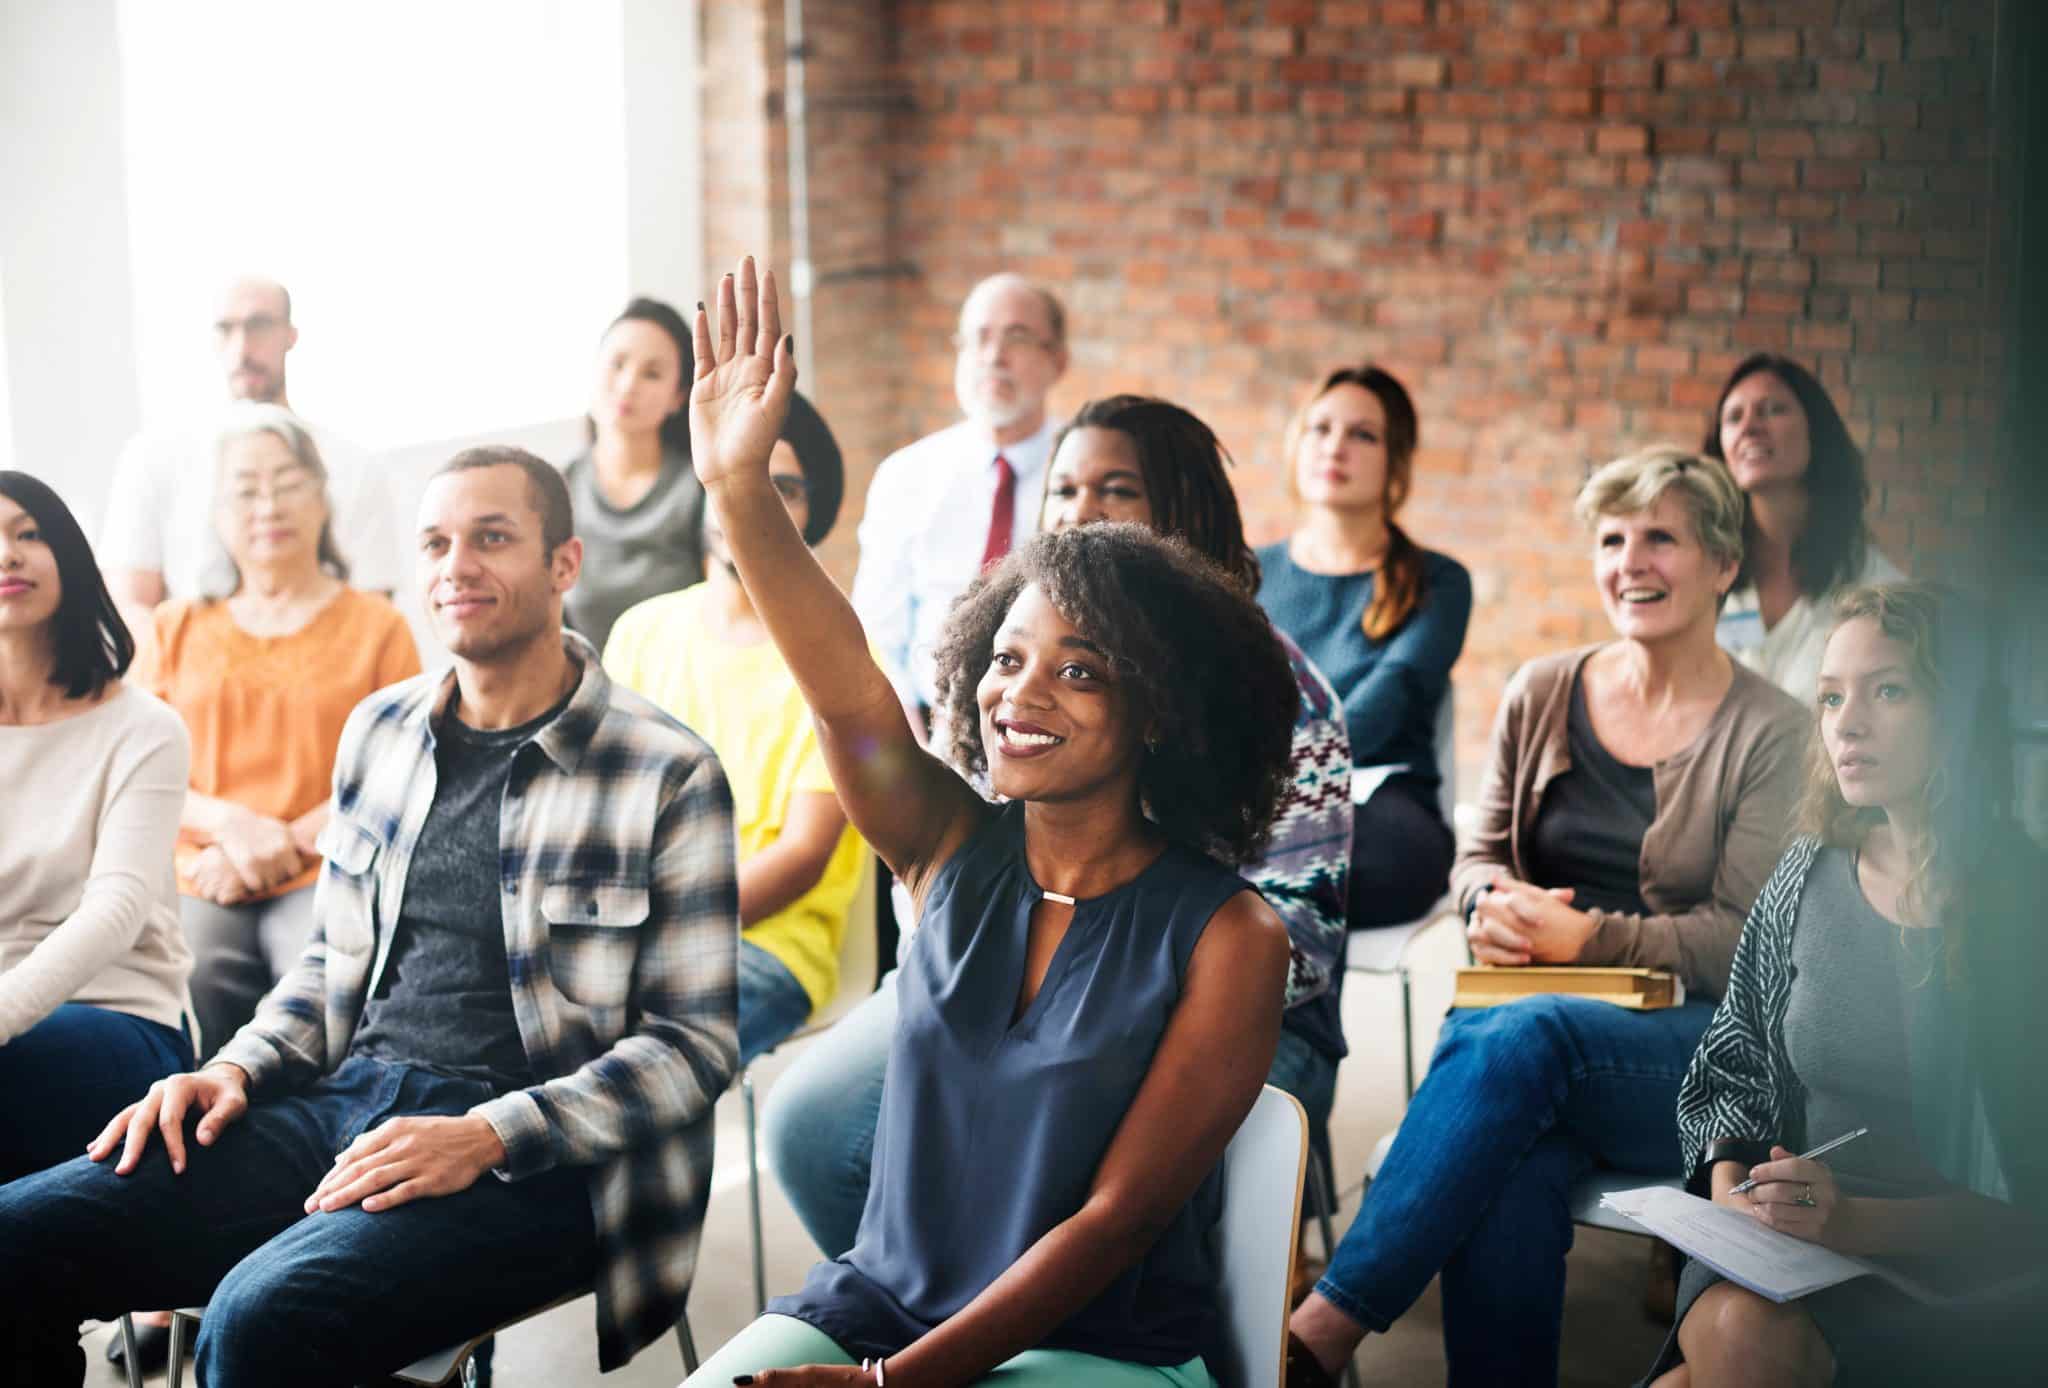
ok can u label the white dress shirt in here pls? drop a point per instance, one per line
(1788, 654)
(923, 533)
(160, 511)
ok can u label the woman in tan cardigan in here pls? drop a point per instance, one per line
(1639, 793)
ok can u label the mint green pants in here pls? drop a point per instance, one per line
(783, 1342)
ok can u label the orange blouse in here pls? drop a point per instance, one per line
(265, 712)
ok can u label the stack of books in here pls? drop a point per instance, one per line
(1642, 990)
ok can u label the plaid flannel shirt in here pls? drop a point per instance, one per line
(621, 913)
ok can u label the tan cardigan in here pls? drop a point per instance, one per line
(1724, 816)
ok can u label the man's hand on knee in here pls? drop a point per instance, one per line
(408, 1159)
(220, 1093)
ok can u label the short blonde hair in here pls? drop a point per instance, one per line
(1631, 485)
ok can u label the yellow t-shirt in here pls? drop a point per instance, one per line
(744, 702)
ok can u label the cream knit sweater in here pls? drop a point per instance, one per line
(88, 906)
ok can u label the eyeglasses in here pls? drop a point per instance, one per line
(1012, 339)
(281, 493)
(255, 325)
(790, 488)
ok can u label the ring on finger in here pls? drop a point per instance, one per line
(1806, 1200)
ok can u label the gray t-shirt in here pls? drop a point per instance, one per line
(1845, 1028)
(444, 1000)
(654, 546)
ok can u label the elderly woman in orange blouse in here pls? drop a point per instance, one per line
(264, 670)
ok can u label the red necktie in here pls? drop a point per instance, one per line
(1001, 515)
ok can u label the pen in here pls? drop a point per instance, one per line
(1745, 1187)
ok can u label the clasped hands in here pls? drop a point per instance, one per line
(398, 1161)
(251, 854)
(1514, 923)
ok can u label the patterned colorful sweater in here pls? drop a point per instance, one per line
(1305, 874)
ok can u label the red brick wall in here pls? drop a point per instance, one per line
(1560, 221)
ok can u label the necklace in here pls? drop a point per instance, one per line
(1055, 896)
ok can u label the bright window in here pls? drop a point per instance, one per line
(441, 186)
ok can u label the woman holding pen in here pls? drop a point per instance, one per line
(1883, 983)
(1091, 999)
(1638, 795)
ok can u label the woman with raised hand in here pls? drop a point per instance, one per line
(1803, 532)
(1146, 462)
(639, 508)
(1638, 794)
(264, 670)
(1384, 618)
(1887, 979)
(1091, 999)
(92, 966)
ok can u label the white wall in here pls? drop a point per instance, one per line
(66, 299)
(70, 316)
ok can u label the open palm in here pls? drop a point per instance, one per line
(744, 381)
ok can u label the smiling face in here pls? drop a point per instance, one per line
(639, 379)
(1876, 717)
(1095, 477)
(1055, 719)
(1764, 433)
(490, 588)
(30, 591)
(1006, 358)
(1341, 458)
(1657, 581)
(269, 508)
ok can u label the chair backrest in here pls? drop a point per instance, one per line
(1262, 1179)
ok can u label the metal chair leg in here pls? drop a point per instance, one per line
(133, 1359)
(1407, 1036)
(1326, 1200)
(687, 1343)
(174, 1365)
(754, 1192)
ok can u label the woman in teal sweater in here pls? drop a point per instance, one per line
(1384, 619)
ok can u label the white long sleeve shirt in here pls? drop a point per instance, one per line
(88, 904)
(923, 533)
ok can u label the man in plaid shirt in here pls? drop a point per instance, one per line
(488, 1084)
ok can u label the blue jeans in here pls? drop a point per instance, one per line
(819, 1126)
(73, 1071)
(1521, 1100)
(772, 1003)
(325, 1299)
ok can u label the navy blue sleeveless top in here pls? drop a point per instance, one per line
(991, 1133)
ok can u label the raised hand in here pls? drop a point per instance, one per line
(744, 380)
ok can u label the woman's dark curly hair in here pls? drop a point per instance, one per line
(1204, 673)
(1831, 549)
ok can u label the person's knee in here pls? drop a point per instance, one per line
(1735, 1337)
(1527, 1044)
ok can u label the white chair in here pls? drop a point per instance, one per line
(858, 970)
(1384, 949)
(436, 1369)
(1262, 1176)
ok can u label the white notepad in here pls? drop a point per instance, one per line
(1753, 1255)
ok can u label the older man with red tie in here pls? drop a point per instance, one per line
(944, 508)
